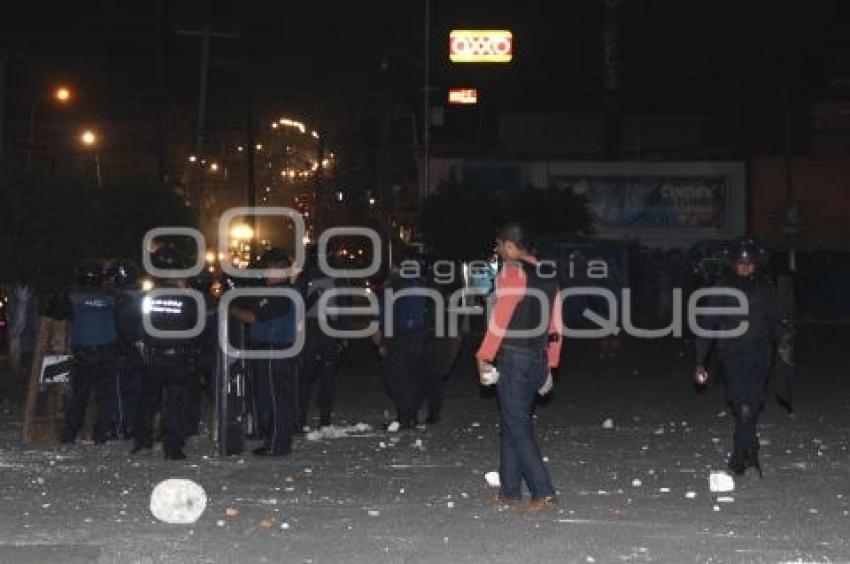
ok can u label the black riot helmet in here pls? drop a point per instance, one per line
(167, 257)
(124, 273)
(90, 274)
(745, 248)
(275, 256)
(203, 282)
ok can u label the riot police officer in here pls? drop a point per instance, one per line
(319, 361)
(745, 360)
(272, 327)
(168, 362)
(91, 310)
(128, 326)
(403, 344)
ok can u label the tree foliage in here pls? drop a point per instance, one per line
(460, 222)
(47, 229)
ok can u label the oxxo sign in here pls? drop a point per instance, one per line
(480, 46)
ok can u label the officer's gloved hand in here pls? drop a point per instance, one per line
(700, 376)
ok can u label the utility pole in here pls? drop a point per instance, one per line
(206, 35)
(4, 58)
(611, 94)
(426, 109)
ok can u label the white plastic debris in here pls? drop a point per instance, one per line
(608, 424)
(691, 495)
(373, 513)
(418, 443)
(284, 526)
(716, 507)
(720, 482)
(335, 432)
(664, 490)
(219, 523)
(636, 483)
(450, 504)
(492, 479)
(177, 501)
(725, 499)
(394, 427)
(659, 431)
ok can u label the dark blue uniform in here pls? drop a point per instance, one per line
(169, 363)
(746, 360)
(128, 326)
(274, 379)
(92, 342)
(403, 374)
(319, 361)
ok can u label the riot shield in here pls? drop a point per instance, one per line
(231, 377)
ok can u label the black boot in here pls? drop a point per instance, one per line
(752, 460)
(174, 454)
(409, 419)
(738, 461)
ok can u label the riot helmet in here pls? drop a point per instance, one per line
(124, 273)
(90, 274)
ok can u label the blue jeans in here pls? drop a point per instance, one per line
(522, 372)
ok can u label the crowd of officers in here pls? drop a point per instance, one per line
(136, 373)
(124, 351)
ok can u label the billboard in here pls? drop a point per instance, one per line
(463, 96)
(653, 201)
(480, 46)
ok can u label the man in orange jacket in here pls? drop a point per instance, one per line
(523, 341)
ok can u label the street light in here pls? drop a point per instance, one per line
(62, 95)
(89, 139)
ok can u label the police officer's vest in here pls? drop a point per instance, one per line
(410, 313)
(762, 306)
(94, 319)
(533, 312)
(170, 313)
(274, 331)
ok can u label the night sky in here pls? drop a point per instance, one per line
(677, 56)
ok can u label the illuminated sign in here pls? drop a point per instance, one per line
(480, 46)
(463, 96)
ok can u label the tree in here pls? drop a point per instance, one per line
(49, 228)
(460, 222)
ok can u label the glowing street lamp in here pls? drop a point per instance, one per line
(88, 138)
(62, 95)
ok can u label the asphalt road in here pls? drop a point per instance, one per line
(637, 492)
